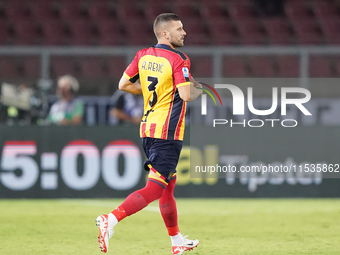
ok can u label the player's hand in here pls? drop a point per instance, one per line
(197, 84)
(136, 120)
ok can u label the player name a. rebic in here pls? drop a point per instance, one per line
(152, 66)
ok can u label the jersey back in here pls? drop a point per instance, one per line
(161, 70)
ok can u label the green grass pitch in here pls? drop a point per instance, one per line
(223, 226)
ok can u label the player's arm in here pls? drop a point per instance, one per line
(126, 85)
(190, 92)
(129, 81)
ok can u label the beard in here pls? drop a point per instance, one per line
(177, 43)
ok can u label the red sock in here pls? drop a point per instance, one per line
(120, 213)
(139, 199)
(167, 206)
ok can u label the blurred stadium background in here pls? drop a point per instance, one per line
(46, 39)
(95, 40)
(227, 40)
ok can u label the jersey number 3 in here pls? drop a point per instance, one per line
(152, 87)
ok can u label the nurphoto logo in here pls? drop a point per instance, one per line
(239, 105)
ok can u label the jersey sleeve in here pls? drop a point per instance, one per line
(132, 71)
(182, 74)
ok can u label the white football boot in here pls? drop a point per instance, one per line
(186, 246)
(105, 232)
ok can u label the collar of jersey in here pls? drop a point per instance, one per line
(167, 47)
(163, 46)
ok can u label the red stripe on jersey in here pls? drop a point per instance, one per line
(152, 129)
(143, 130)
(166, 125)
(178, 128)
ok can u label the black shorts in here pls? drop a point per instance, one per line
(163, 155)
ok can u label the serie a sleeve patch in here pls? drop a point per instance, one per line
(185, 72)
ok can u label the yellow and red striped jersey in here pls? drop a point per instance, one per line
(161, 70)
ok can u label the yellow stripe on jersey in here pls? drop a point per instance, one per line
(158, 91)
(161, 70)
(127, 76)
(183, 84)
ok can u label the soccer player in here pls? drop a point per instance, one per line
(161, 74)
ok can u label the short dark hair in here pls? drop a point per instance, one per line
(164, 18)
